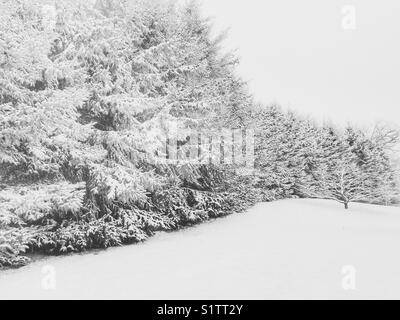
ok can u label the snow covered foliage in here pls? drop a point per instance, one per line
(88, 90)
(298, 158)
(91, 92)
(355, 168)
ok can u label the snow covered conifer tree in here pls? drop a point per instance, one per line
(87, 91)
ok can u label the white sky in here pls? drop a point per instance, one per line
(298, 54)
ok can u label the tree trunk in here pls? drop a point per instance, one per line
(346, 205)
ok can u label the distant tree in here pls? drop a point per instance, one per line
(285, 149)
(385, 140)
(341, 180)
(351, 167)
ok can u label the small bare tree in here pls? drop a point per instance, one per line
(342, 180)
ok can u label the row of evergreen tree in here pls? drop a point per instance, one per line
(301, 158)
(89, 90)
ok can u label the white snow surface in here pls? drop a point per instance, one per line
(292, 249)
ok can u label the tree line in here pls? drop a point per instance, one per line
(88, 92)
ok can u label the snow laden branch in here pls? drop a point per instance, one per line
(358, 170)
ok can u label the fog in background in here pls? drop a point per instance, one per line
(298, 53)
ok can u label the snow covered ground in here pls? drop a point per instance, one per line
(285, 249)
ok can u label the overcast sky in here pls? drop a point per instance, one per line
(306, 54)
